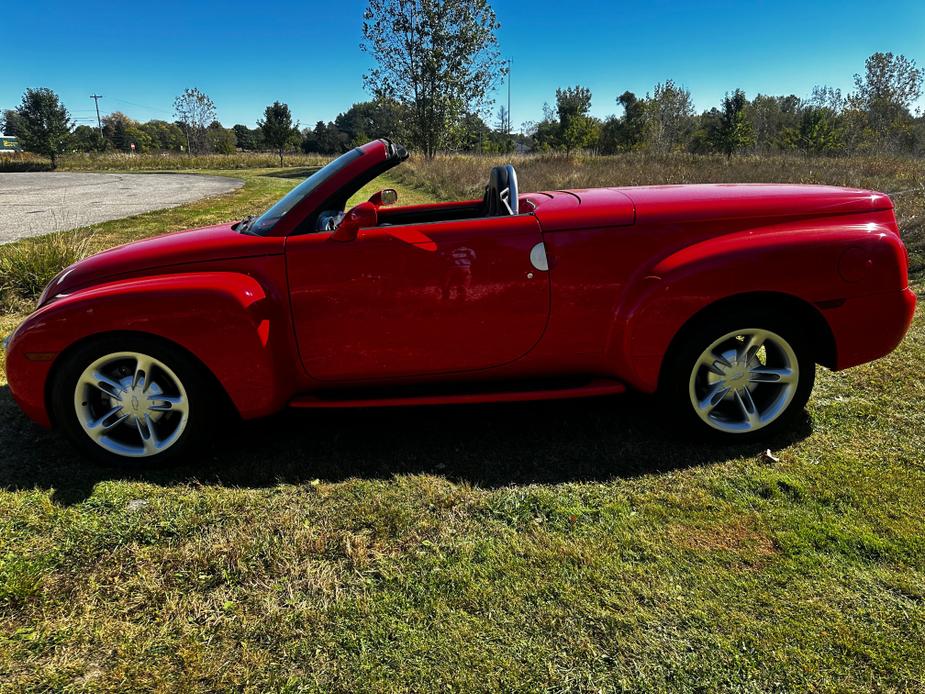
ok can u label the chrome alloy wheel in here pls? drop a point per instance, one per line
(131, 404)
(744, 380)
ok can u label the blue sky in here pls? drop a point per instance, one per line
(139, 56)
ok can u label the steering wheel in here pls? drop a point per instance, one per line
(501, 192)
(329, 220)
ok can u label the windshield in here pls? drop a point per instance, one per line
(268, 219)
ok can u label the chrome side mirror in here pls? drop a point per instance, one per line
(389, 196)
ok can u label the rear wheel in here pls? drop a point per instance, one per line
(131, 401)
(739, 377)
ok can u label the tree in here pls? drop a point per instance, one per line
(502, 124)
(819, 131)
(369, 120)
(774, 121)
(634, 120)
(310, 143)
(733, 131)
(500, 139)
(324, 139)
(886, 91)
(438, 58)
(247, 139)
(220, 140)
(164, 136)
(277, 128)
(122, 132)
(194, 112)
(8, 125)
(42, 124)
(576, 127)
(626, 133)
(475, 135)
(824, 96)
(669, 115)
(86, 138)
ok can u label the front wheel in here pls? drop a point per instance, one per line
(739, 378)
(131, 401)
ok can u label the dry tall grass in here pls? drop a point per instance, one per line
(455, 177)
(158, 161)
(170, 161)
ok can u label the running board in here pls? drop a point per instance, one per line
(588, 389)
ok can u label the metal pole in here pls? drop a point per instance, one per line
(99, 123)
(510, 62)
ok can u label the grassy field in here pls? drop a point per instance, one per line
(544, 547)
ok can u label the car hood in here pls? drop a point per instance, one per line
(166, 252)
(749, 200)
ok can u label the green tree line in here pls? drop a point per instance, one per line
(876, 117)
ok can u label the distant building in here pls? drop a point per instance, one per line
(9, 143)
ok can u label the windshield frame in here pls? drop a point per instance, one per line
(263, 224)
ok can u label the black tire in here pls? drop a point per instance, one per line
(678, 381)
(202, 402)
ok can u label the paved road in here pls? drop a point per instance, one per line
(37, 203)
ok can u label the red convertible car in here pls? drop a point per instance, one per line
(722, 298)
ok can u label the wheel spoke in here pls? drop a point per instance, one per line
(715, 363)
(167, 403)
(99, 426)
(102, 382)
(765, 374)
(753, 343)
(713, 397)
(749, 411)
(146, 431)
(143, 366)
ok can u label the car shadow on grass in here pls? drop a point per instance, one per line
(484, 445)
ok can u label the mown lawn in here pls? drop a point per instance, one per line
(571, 546)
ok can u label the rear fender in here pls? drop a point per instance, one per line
(806, 264)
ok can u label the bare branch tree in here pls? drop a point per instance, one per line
(195, 111)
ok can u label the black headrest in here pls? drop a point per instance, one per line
(501, 193)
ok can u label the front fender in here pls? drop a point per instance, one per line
(224, 319)
(807, 264)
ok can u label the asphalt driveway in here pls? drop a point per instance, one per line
(37, 203)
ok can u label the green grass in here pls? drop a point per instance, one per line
(545, 546)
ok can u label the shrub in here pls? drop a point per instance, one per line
(28, 265)
(23, 161)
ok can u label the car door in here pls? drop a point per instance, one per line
(418, 298)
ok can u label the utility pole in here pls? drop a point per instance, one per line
(99, 123)
(510, 62)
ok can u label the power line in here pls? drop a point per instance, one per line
(132, 103)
